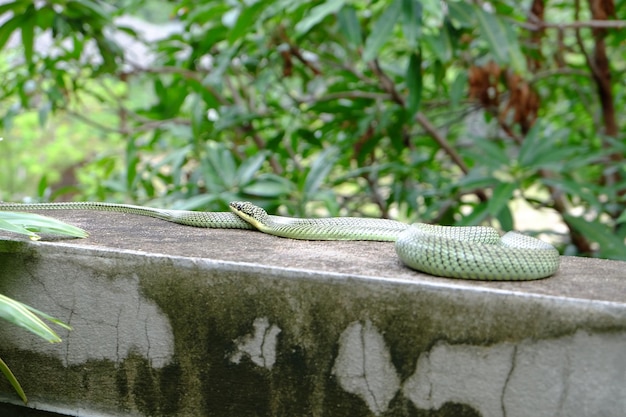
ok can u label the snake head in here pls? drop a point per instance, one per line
(249, 212)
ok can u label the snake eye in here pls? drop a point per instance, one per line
(243, 207)
(239, 206)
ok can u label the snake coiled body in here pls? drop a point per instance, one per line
(458, 252)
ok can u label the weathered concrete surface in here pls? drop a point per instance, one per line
(176, 321)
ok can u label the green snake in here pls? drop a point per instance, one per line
(474, 252)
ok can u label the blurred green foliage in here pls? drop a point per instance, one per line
(420, 110)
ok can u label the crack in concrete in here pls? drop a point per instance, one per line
(565, 379)
(364, 363)
(260, 345)
(363, 366)
(508, 379)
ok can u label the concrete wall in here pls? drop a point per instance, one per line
(176, 321)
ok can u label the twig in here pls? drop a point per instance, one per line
(148, 125)
(189, 74)
(388, 86)
(441, 141)
(375, 192)
(591, 24)
(356, 94)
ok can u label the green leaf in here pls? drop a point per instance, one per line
(477, 178)
(93, 9)
(439, 44)
(17, 7)
(414, 84)
(494, 34)
(10, 227)
(223, 168)
(458, 88)
(43, 112)
(382, 30)
(19, 314)
(132, 161)
(13, 381)
(26, 317)
(575, 188)
(28, 223)
(532, 146)
(250, 167)
(505, 217)
(349, 25)
(541, 150)
(319, 170)
(478, 214)
(500, 198)
(462, 13)
(517, 59)
(611, 246)
(494, 156)
(28, 35)
(8, 27)
(198, 116)
(412, 21)
(246, 20)
(317, 14)
(268, 187)
(42, 187)
(195, 202)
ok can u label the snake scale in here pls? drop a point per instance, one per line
(474, 252)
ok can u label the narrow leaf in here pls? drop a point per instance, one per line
(27, 223)
(349, 25)
(317, 14)
(494, 155)
(28, 34)
(505, 217)
(611, 246)
(47, 317)
(268, 188)
(412, 21)
(10, 227)
(17, 313)
(414, 84)
(319, 170)
(8, 27)
(501, 197)
(245, 21)
(457, 90)
(382, 30)
(478, 214)
(575, 188)
(42, 186)
(531, 146)
(461, 13)
(13, 381)
(496, 38)
(250, 167)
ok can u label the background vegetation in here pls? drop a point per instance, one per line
(457, 112)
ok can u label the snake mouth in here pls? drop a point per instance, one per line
(249, 212)
(245, 207)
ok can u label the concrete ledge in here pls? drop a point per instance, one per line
(175, 321)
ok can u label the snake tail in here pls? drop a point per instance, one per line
(216, 220)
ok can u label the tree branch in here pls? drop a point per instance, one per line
(592, 24)
(388, 86)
